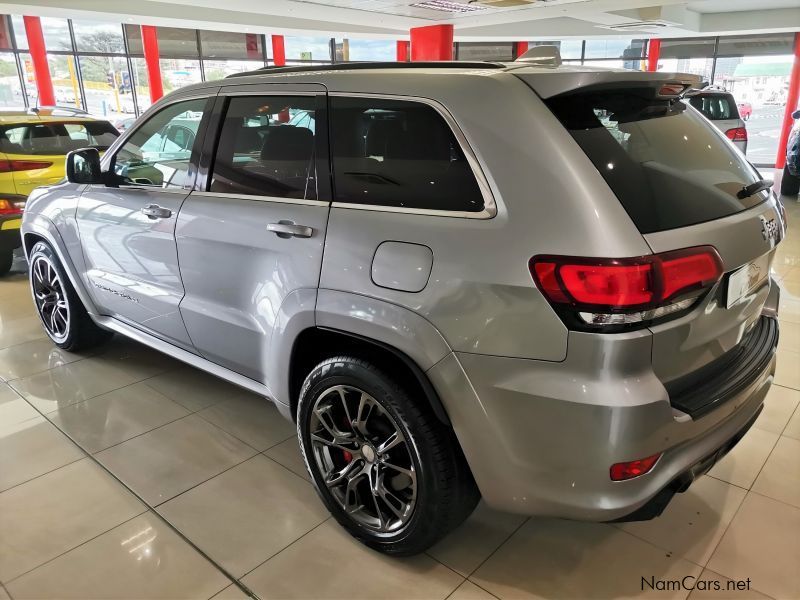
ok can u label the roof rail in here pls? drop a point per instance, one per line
(359, 66)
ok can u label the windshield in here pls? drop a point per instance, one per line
(667, 165)
(56, 138)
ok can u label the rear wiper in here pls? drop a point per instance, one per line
(754, 188)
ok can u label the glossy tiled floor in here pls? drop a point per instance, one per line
(126, 474)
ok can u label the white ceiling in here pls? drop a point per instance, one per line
(543, 19)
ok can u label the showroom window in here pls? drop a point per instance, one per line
(159, 152)
(401, 154)
(266, 148)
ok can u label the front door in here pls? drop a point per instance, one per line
(250, 240)
(127, 227)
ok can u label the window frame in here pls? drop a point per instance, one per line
(108, 162)
(217, 121)
(489, 205)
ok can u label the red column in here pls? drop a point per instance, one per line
(151, 59)
(432, 42)
(520, 48)
(791, 105)
(653, 54)
(44, 84)
(402, 51)
(278, 51)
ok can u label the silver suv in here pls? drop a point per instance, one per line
(544, 285)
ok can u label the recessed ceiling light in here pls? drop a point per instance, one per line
(448, 6)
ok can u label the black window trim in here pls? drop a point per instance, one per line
(209, 147)
(489, 206)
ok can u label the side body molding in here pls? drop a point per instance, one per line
(384, 322)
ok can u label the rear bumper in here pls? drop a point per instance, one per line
(540, 437)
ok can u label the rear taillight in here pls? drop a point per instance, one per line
(7, 166)
(625, 291)
(737, 134)
(11, 207)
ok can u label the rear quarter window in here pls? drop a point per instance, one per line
(401, 154)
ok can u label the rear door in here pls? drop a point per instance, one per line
(683, 186)
(250, 239)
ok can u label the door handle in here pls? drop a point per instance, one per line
(154, 211)
(287, 229)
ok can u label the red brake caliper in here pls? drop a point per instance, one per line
(347, 456)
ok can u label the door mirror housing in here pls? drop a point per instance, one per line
(83, 166)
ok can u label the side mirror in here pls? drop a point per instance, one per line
(83, 166)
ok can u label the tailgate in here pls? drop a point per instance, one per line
(683, 185)
(745, 242)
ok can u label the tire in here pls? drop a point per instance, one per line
(61, 312)
(6, 260)
(790, 184)
(393, 445)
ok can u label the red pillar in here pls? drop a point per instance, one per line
(278, 51)
(520, 48)
(402, 51)
(151, 59)
(432, 42)
(653, 54)
(791, 105)
(44, 84)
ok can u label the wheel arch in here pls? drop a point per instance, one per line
(315, 344)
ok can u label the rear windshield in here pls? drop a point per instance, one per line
(56, 138)
(716, 107)
(667, 165)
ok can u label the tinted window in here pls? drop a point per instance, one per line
(717, 107)
(266, 148)
(158, 153)
(668, 165)
(397, 153)
(56, 138)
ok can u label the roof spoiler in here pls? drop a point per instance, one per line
(547, 85)
(545, 55)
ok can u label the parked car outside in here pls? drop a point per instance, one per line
(123, 124)
(790, 182)
(745, 110)
(444, 310)
(719, 107)
(33, 145)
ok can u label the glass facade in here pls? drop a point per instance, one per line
(99, 66)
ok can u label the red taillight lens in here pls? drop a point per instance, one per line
(7, 207)
(625, 284)
(620, 285)
(635, 468)
(737, 134)
(7, 166)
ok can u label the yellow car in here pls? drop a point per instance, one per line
(33, 145)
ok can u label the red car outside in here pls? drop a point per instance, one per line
(745, 110)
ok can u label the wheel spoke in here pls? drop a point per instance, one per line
(408, 472)
(351, 491)
(336, 478)
(393, 440)
(392, 501)
(326, 420)
(365, 406)
(343, 400)
(332, 443)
